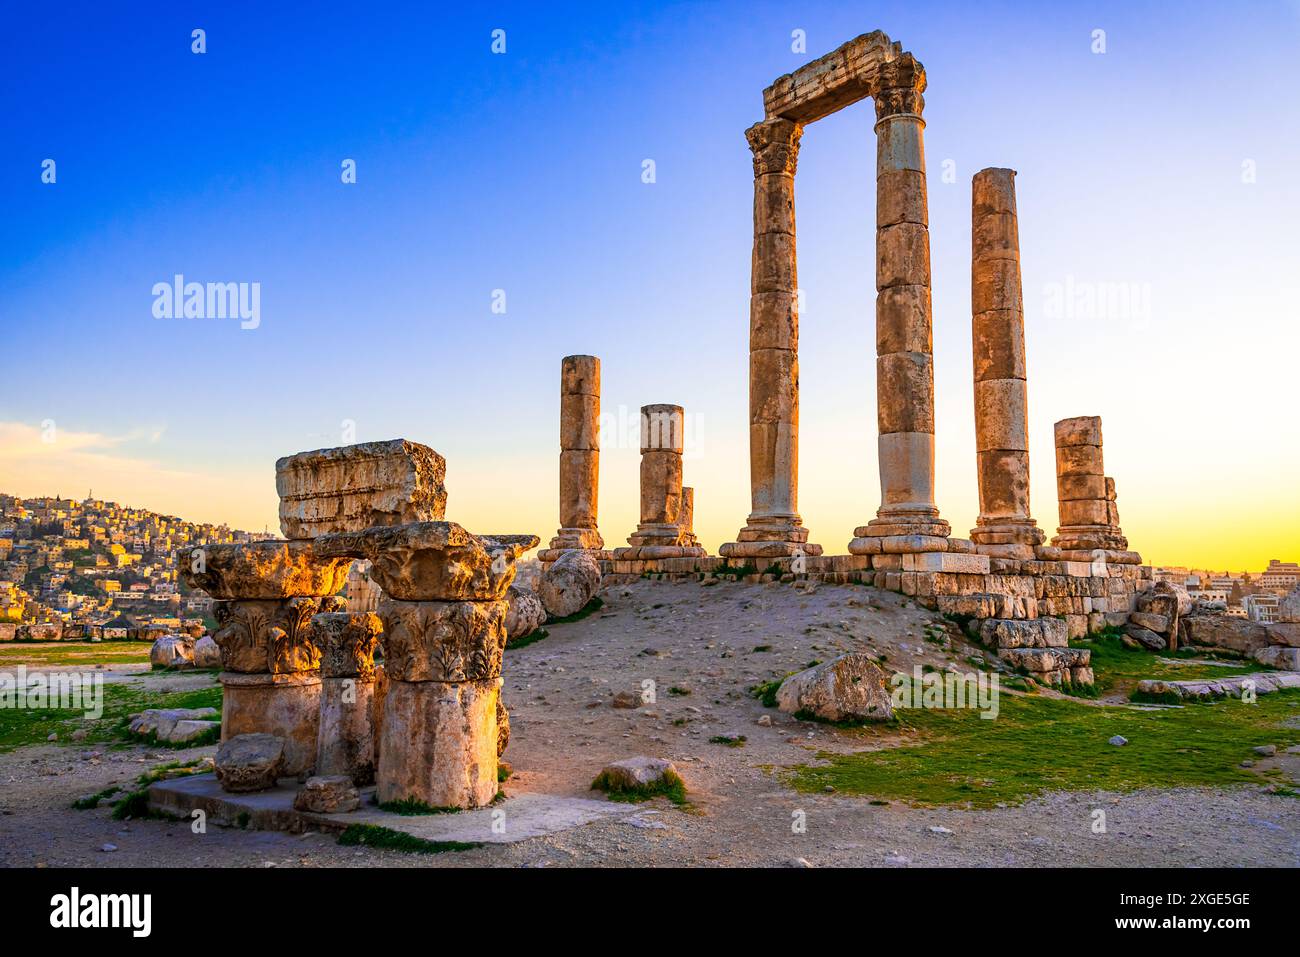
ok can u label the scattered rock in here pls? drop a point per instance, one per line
(161, 723)
(525, 613)
(848, 688)
(626, 699)
(206, 653)
(108, 848)
(250, 762)
(172, 651)
(331, 794)
(1118, 740)
(569, 583)
(1266, 750)
(637, 774)
(1146, 637)
(764, 721)
(939, 829)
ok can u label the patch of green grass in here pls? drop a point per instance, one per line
(91, 801)
(371, 835)
(34, 726)
(1038, 744)
(135, 804)
(591, 607)
(670, 786)
(766, 692)
(528, 639)
(1119, 668)
(677, 692)
(736, 573)
(410, 807)
(503, 773)
(730, 740)
(761, 648)
(45, 654)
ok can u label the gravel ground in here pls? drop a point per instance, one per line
(704, 639)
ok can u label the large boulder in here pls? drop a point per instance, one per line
(525, 615)
(569, 583)
(206, 653)
(249, 762)
(1225, 632)
(1148, 638)
(172, 651)
(1288, 609)
(164, 724)
(848, 688)
(1278, 656)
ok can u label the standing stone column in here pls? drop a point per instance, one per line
(661, 533)
(774, 528)
(1004, 527)
(579, 457)
(904, 350)
(345, 742)
(1086, 497)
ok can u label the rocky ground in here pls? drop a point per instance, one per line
(698, 649)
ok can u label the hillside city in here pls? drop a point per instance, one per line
(98, 570)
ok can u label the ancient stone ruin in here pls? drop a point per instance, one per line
(302, 692)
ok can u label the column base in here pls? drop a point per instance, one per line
(285, 705)
(587, 539)
(766, 538)
(1016, 539)
(901, 529)
(548, 555)
(439, 744)
(1085, 537)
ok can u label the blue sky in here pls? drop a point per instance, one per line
(522, 172)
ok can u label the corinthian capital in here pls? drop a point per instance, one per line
(776, 146)
(901, 83)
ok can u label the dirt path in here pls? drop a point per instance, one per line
(704, 640)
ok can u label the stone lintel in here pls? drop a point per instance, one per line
(849, 73)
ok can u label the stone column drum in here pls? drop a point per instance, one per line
(661, 533)
(1004, 528)
(1089, 518)
(774, 528)
(345, 742)
(579, 457)
(904, 349)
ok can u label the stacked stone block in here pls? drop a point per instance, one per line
(1089, 529)
(345, 741)
(661, 532)
(579, 459)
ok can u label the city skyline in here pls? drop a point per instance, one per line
(377, 301)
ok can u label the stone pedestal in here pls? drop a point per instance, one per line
(438, 743)
(904, 349)
(1089, 529)
(774, 527)
(345, 742)
(579, 458)
(285, 705)
(661, 533)
(1004, 528)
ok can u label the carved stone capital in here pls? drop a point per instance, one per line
(775, 144)
(347, 643)
(264, 636)
(902, 81)
(443, 640)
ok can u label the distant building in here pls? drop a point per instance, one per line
(1261, 607)
(1279, 577)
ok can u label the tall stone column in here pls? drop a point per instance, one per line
(1004, 527)
(661, 532)
(774, 528)
(904, 350)
(579, 457)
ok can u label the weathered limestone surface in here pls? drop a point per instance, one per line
(439, 743)
(433, 560)
(354, 487)
(848, 688)
(1265, 682)
(579, 456)
(346, 733)
(569, 583)
(1004, 527)
(207, 653)
(525, 613)
(849, 73)
(1089, 517)
(250, 762)
(172, 651)
(265, 570)
(328, 794)
(286, 706)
